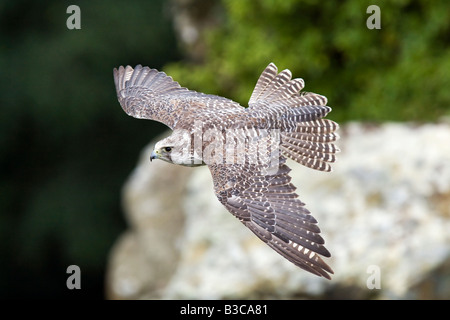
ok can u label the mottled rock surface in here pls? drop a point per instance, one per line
(384, 213)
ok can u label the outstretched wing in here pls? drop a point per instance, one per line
(266, 203)
(277, 96)
(150, 94)
(305, 136)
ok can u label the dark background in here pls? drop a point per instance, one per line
(66, 146)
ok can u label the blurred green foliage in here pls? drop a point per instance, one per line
(400, 72)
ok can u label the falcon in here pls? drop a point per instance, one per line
(245, 149)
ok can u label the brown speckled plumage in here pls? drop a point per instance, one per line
(281, 122)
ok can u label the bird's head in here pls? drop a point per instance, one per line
(176, 149)
(162, 152)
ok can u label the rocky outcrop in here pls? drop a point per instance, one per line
(384, 213)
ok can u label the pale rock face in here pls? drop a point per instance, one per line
(384, 213)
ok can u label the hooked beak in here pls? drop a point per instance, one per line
(154, 155)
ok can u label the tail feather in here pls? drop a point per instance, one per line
(320, 126)
(313, 150)
(305, 136)
(310, 162)
(313, 137)
(306, 153)
(322, 147)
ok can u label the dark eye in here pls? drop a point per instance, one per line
(168, 149)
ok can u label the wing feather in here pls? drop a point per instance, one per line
(278, 97)
(149, 94)
(278, 103)
(146, 93)
(271, 210)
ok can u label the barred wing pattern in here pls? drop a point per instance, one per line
(305, 136)
(260, 195)
(146, 93)
(269, 207)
